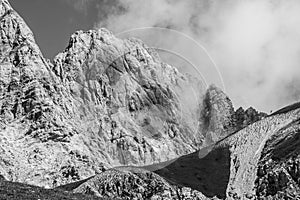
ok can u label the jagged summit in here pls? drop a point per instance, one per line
(103, 102)
(218, 115)
(107, 112)
(14, 31)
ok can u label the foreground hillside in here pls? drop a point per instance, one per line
(10, 191)
(108, 119)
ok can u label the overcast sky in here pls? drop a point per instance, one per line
(253, 44)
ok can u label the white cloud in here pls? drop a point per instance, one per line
(256, 43)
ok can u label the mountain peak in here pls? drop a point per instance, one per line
(17, 39)
(106, 104)
(103, 102)
(4, 7)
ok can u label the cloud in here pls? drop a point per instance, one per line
(255, 43)
(79, 5)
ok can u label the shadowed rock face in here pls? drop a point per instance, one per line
(103, 102)
(208, 174)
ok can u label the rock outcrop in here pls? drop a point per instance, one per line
(133, 183)
(217, 115)
(244, 118)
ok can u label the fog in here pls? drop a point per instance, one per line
(254, 43)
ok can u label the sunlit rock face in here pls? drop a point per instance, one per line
(105, 102)
(102, 102)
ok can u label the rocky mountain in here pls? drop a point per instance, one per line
(102, 102)
(108, 119)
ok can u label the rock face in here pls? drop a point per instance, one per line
(103, 102)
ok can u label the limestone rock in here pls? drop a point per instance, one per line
(103, 102)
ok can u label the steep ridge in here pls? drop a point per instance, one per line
(103, 102)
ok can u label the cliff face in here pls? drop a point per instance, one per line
(103, 102)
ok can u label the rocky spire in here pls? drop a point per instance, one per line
(217, 115)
